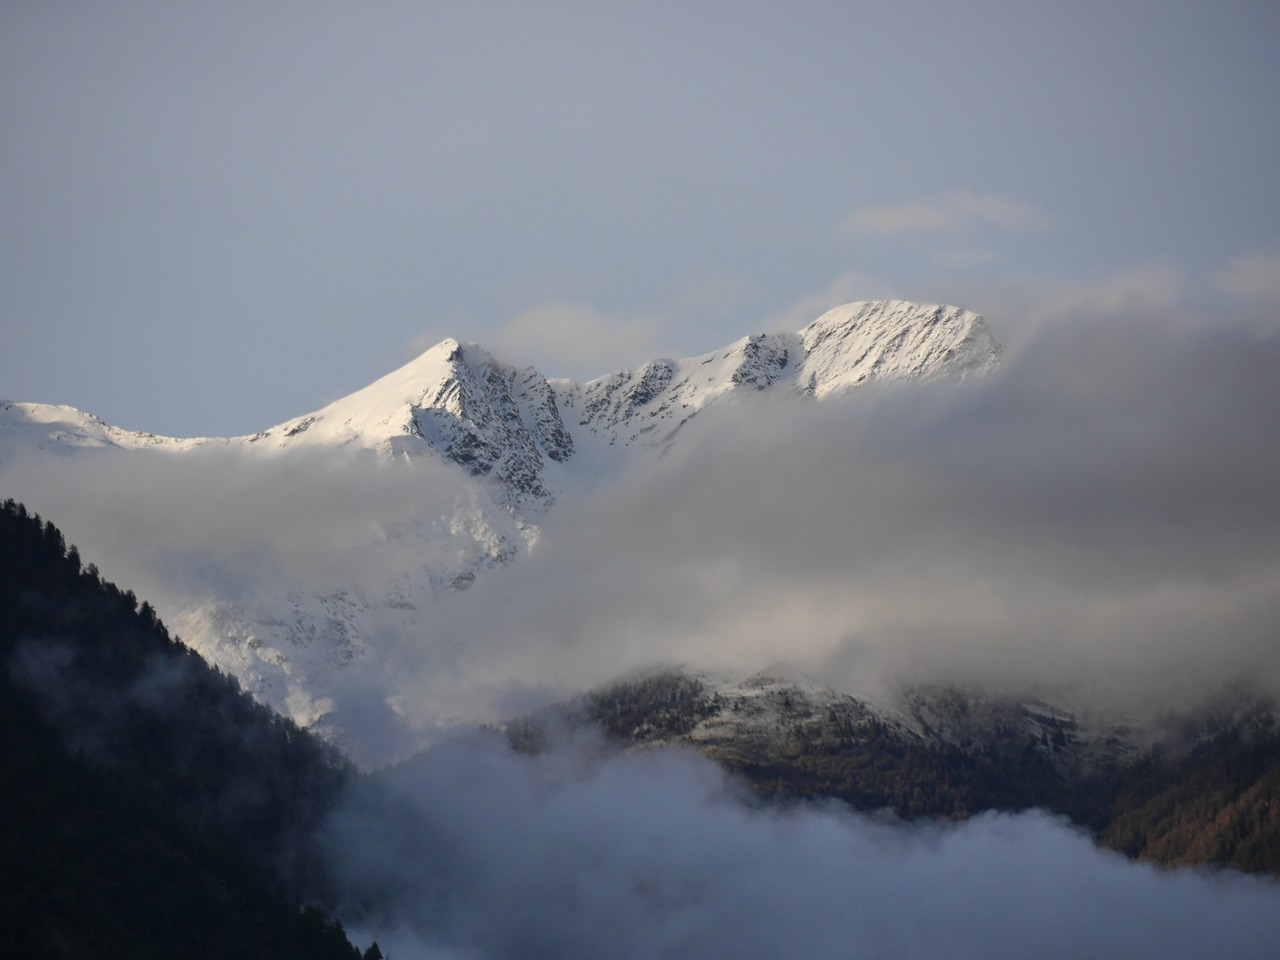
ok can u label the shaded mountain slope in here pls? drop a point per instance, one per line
(1203, 789)
(150, 807)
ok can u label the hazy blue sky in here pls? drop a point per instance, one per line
(214, 217)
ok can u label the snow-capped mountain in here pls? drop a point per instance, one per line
(502, 450)
(844, 348)
(458, 403)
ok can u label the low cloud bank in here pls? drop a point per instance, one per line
(481, 853)
(221, 521)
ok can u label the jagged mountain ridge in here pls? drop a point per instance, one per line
(844, 348)
(516, 443)
(490, 417)
(459, 403)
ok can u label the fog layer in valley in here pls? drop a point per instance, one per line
(482, 853)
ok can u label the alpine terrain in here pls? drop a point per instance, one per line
(482, 456)
(350, 566)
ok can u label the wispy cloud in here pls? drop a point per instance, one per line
(485, 854)
(1143, 288)
(849, 286)
(576, 339)
(956, 212)
(1253, 278)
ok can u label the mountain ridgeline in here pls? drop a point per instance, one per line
(1205, 792)
(520, 431)
(151, 808)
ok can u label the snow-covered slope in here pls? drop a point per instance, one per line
(64, 430)
(892, 340)
(455, 402)
(844, 348)
(496, 447)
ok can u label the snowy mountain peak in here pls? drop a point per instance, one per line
(504, 424)
(62, 430)
(457, 402)
(844, 348)
(893, 339)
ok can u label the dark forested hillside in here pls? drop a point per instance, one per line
(149, 808)
(1216, 801)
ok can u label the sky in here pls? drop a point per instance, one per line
(214, 218)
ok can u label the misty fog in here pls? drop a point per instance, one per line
(474, 851)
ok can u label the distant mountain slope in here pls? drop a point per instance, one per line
(1201, 788)
(150, 807)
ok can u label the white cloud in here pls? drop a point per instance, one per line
(915, 217)
(484, 854)
(1006, 213)
(1020, 304)
(958, 211)
(1253, 278)
(576, 339)
(850, 286)
(1141, 289)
